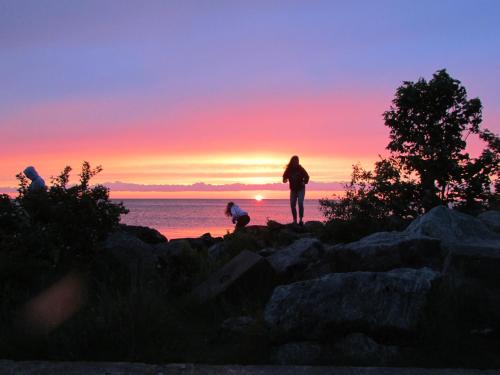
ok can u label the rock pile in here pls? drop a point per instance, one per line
(391, 298)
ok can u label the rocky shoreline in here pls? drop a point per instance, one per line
(425, 296)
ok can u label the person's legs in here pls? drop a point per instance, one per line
(242, 221)
(293, 203)
(301, 194)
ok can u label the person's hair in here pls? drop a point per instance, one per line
(228, 208)
(293, 163)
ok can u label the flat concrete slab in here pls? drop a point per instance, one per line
(124, 368)
(246, 274)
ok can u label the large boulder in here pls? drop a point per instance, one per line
(453, 227)
(481, 261)
(491, 219)
(180, 265)
(242, 325)
(384, 251)
(290, 261)
(473, 249)
(130, 257)
(246, 276)
(360, 349)
(241, 339)
(467, 299)
(199, 243)
(355, 349)
(145, 234)
(385, 304)
(297, 353)
(314, 226)
(217, 252)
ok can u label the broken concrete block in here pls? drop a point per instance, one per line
(247, 275)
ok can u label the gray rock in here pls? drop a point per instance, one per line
(473, 249)
(200, 243)
(384, 251)
(453, 227)
(267, 251)
(353, 349)
(274, 225)
(481, 261)
(246, 275)
(146, 234)
(318, 269)
(179, 264)
(242, 325)
(314, 226)
(134, 257)
(287, 236)
(292, 260)
(360, 349)
(217, 252)
(297, 353)
(378, 303)
(491, 219)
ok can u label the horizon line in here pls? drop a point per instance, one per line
(119, 186)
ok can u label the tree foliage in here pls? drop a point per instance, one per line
(60, 223)
(429, 123)
(371, 201)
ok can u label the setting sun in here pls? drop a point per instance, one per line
(259, 197)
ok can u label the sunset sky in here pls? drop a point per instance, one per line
(212, 98)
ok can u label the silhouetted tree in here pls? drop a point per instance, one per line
(429, 124)
(380, 200)
(476, 186)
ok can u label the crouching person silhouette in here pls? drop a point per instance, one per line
(35, 201)
(239, 217)
(37, 183)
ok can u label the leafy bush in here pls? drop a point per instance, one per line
(61, 223)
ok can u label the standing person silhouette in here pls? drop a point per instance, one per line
(297, 176)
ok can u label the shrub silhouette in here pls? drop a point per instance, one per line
(429, 122)
(61, 223)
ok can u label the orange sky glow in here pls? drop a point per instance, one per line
(182, 100)
(247, 141)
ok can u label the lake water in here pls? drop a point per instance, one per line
(177, 218)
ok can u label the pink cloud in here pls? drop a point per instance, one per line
(200, 186)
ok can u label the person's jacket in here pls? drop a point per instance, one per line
(37, 183)
(297, 178)
(237, 212)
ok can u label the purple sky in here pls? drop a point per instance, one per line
(141, 71)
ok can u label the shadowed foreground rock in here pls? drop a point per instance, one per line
(491, 219)
(453, 227)
(427, 296)
(245, 275)
(378, 303)
(137, 259)
(146, 234)
(117, 368)
(292, 260)
(384, 251)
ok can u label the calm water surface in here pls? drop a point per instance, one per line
(177, 218)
